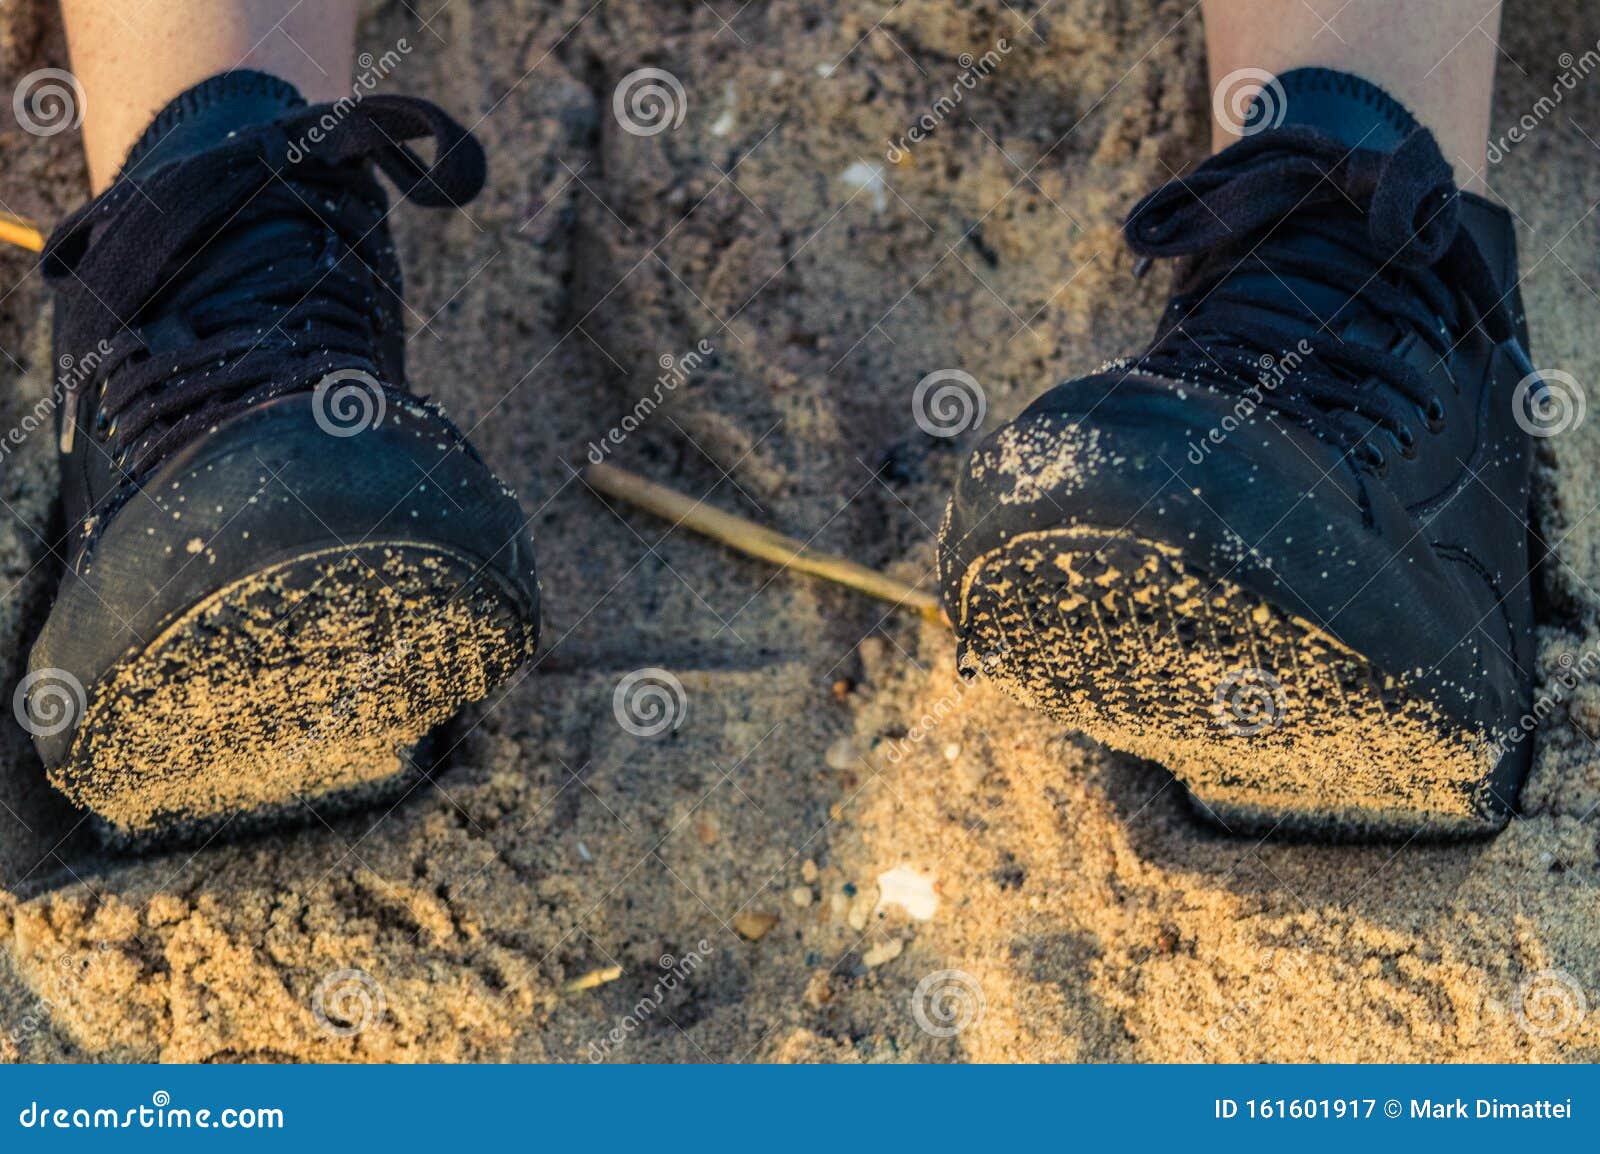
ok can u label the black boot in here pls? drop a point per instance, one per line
(1285, 551)
(282, 568)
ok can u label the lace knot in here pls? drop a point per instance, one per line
(1414, 215)
(285, 270)
(1408, 196)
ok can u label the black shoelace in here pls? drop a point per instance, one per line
(263, 247)
(1405, 263)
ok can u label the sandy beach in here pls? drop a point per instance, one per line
(836, 851)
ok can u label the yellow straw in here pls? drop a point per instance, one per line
(757, 541)
(21, 232)
(592, 979)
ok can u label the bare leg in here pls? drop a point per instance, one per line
(131, 63)
(1436, 56)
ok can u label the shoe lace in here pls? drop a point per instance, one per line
(249, 270)
(1241, 301)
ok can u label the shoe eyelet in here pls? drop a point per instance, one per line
(1407, 440)
(1433, 413)
(1376, 461)
(102, 422)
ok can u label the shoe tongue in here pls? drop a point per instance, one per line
(1353, 111)
(207, 114)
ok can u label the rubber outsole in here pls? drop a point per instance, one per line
(311, 679)
(321, 810)
(1271, 723)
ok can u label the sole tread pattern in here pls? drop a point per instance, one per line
(1271, 723)
(311, 679)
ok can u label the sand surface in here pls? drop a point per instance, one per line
(1068, 908)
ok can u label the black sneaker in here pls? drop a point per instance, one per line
(1285, 552)
(282, 568)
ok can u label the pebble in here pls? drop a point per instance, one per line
(952, 751)
(808, 870)
(860, 910)
(883, 952)
(911, 891)
(752, 925)
(819, 990)
(841, 754)
(801, 896)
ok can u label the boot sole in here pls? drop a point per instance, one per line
(1272, 724)
(311, 679)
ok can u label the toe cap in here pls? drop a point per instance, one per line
(1244, 493)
